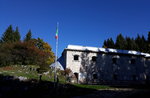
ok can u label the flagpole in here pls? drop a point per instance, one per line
(56, 55)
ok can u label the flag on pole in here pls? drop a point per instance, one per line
(56, 36)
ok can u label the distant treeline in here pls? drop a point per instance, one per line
(139, 43)
(30, 51)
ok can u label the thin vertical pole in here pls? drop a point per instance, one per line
(56, 57)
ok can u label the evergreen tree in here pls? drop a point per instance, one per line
(120, 42)
(134, 45)
(138, 44)
(141, 43)
(28, 36)
(148, 43)
(16, 35)
(128, 43)
(8, 35)
(144, 44)
(105, 44)
(138, 41)
(111, 43)
(148, 37)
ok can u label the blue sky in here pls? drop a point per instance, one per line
(81, 22)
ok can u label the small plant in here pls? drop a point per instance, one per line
(8, 68)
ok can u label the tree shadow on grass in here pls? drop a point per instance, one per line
(14, 88)
(132, 86)
(117, 94)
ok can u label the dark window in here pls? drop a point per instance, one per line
(147, 79)
(134, 77)
(76, 57)
(115, 76)
(94, 76)
(114, 60)
(94, 58)
(148, 59)
(132, 61)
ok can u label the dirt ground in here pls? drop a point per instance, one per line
(118, 93)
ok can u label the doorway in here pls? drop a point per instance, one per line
(77, 76)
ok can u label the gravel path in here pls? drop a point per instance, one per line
(118, 93)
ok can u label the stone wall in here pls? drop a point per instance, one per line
(108, 68)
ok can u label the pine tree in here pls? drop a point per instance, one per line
(148, 39)
(148, 43)
(144, 44)
(120, 42)
(8, 35)
(110, 43)
(129, 43)
(105, 44)
(141, 43)
(16, 35)
(138, 41)
(138, 44)
(134, 45)
(28, 36)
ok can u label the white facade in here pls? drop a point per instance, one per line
(92, 64)
(76, 65)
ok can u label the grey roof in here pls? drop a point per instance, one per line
(58, 65)
(106, 50)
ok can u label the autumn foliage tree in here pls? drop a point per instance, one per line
(46, 49)
(31, 51)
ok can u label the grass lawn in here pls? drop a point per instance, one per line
(93, 86)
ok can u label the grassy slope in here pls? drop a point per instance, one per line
(31, 73)
(45, 89)
(24, 71)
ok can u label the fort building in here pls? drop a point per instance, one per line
(106, 66)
